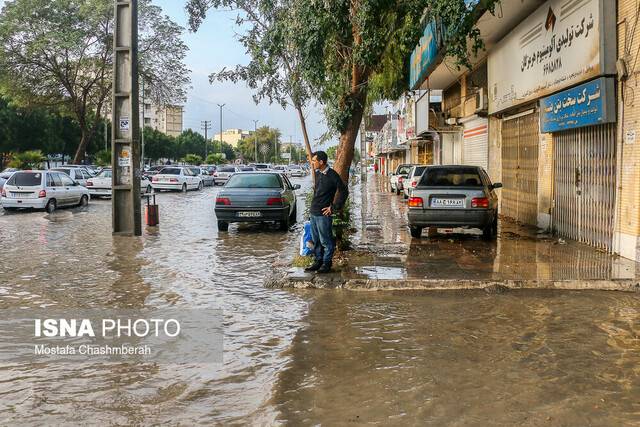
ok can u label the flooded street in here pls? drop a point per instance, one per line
(306, 357)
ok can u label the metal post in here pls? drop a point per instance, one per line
(125, 143)
(220, 105)
(255, 137)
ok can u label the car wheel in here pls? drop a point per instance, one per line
(200, 186)
(285, 223)
(490, 232)
(294, 214)
(51, 206)
(84, 200)
(8, 209)
(415, 231)
(184, 187)
(223, 226)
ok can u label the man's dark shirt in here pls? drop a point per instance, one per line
(327, 184)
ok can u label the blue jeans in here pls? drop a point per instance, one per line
(322, 236)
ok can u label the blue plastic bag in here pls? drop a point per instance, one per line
(306, 244)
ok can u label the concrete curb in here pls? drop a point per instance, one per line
(326, 282)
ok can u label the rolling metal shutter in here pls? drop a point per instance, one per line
(520, 138)
(585, 184)
(476, 143)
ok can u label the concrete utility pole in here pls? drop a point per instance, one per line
(220, 105)
(125, 143)
(142, 127)
(206, 125)
(255, 137)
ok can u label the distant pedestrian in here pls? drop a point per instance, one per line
(375, 168)
(323, 206)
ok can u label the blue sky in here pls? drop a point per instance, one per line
(213, 47)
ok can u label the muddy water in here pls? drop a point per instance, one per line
(303, 358)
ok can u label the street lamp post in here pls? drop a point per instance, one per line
(220, 105)
(255, 137)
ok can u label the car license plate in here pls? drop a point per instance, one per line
(447, 203)
(249, 214)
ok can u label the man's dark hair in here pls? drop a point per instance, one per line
(321, 155)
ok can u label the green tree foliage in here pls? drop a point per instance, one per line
(274, 70)
(216, 159)
(267, 138)
(158, 145)
(351, 53)
(192, 159)
(58, 53)
(103, 158)
(27, 160)
(331, 152)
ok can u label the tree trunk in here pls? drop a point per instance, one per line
(82, 147)
(307, 144)
(344, 155)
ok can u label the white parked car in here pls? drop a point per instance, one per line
(205, 176)
(296, 170)
(78, 174)
(413, 177)
(221, 176)
(281, 169)
(46, 190)
(178, 178)
(100, 186)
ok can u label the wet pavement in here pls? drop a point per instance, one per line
(308, 357)
(387, 257)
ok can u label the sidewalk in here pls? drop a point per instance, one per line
(386, 257)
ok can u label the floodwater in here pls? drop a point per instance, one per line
(305, 358)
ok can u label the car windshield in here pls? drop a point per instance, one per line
(451, 177)
(25, 179)
(253, 181)
(403, 170)
(170, 171)
(105, 174)
(227, 170)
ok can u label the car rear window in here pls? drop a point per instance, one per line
(67, 171)
(262, 167)
(451, 177)
(25, 179)
(227, 170)
(170, 171)
(418, 171)
(247, 169)
(254, 181)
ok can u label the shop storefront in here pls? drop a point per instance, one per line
(558, 46)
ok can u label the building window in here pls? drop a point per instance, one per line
(147, 120)
(147, 106)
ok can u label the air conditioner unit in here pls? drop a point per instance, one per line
(481, 100)
(451, 121)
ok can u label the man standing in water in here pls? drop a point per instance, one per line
(323, 206)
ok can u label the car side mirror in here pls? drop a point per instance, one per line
(296, 186)
(496, 185)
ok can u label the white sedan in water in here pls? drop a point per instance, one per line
(100, 186)
(177, 178)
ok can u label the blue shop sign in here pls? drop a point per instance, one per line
(588, 104)
(423, 56)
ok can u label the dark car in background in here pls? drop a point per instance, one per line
(257, 197)
(454, 196)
